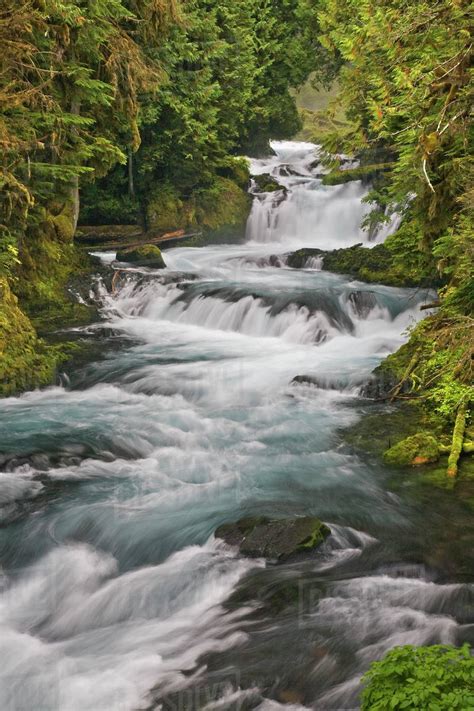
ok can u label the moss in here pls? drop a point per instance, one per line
(318, 535)
(419, 449)
(275, 539)
(374, 265)
(147, 255)
(166, 211)
(64, 223)
(365, 173)
(378, 265)
(41, 303)
(25, 360)
(267, 184)
(49, 259)
(382, 427)
(221, 207)
(237, 169)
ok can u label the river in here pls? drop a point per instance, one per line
(115, 594)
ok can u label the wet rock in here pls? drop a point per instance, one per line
(419, 449)
(327, 382)
(363, 302)
(147, 255)
(267, 184)
(299, 259)
(291, 696)
(307, 380)
(275, 539)
(382, 384)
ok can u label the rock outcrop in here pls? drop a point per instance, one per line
(278, 539)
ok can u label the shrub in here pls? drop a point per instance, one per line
(438, 678)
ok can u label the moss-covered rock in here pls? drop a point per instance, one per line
(25, 361)
(42, 302)
(375, 265)
(147, 255)
(266, 184)
(48, 259)
(274, 539)
(365, 173)
(419, 449)
(166, 211)
(222, 207)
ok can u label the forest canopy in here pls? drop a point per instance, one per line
(84, 86)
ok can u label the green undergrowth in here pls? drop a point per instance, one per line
(399, 433)
(378, 265)
(365, 173)
(223, 206)
(437, 678)
(26, 361)
(37, 303)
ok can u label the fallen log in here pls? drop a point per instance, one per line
(145, 238)
(467, 448)
(411, 367)
(434, 305)
(458, 440)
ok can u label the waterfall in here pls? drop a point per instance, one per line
(305, 212)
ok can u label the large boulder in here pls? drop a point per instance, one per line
(419, 449)
(262, 537)
(148, 255)
(266, 183)
(362, 302)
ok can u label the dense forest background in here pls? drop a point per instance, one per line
(137, 112)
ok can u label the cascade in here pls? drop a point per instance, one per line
(115, 594)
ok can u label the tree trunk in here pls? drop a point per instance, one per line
(75, 196)
(131, 183)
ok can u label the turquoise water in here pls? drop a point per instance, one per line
(116, 595)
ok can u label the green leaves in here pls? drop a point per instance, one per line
(438, 678)
(407, 85)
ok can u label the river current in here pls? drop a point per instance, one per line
(115, 595)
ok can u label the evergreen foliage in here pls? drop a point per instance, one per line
(70, 75)
(406, 81)
(229, 67)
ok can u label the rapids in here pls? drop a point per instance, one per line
(115, 595)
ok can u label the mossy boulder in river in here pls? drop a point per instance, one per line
(419, 449)
(267, 184)
(262, 537)
(148, 255)
(374, 265)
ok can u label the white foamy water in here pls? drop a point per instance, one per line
(114, 589)
(329, 217)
